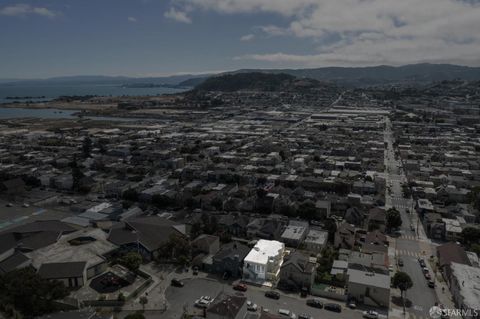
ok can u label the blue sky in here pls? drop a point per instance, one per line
(161, 37)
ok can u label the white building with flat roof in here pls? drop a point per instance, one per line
(262, 265)
(465, 288)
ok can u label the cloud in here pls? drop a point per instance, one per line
(365, 32)
(132, 19)
(179, 16)
(247, 37)
(22, 10)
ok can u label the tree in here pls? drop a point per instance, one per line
(77, 174)
(176, 247)
(143, 301)
(86, 147)
(402, 281)
(470, 235)
(130, 195)
(307, 210)
(132, 260)
(331, 226)
(29, 293)
(394, 220)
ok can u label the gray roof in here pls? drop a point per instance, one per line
(13, 262)
(62, 270)
(370, 279)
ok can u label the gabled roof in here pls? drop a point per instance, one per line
(150, 231)
(452, 252)
(231, 250)
(299, 261)
(227, 306)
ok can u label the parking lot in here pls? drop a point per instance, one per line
(184, 298)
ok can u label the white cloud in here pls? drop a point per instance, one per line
(247, 37)
(364, 32)
(179, 16)
(132, 19)
(22, 10)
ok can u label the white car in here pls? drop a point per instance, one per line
(370, 314)
(251, 306)
(287, 313)
(201, 303)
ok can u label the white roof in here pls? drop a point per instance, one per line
(468, 279)
(263, 250)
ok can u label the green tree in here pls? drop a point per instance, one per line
(77, 174)
(130, 195)
(394, 220)
(131, 260)
(402, 281)
(30, 294)
(307, 210)
(470, 235)
(86, 147)
(143, 301)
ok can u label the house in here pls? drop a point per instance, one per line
(297, 271)
(145, 234)
(316, 239)
(207, 244)
(345, 236)
(234, 224)
(294, 233)
(323, 208)
(464, 283)
(369, 287)
(434, 225)
(339, 269)
(229, 259)
(266, 228)
(453, 230)
(354, 216)
(226, 306)
(72, 274)
(451, 253)
(376, 219)
(262, 264)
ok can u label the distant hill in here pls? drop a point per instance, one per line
(383, 74)
(255, 81)
(110, 80)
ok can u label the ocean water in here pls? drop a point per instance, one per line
(54, 91)
(15, 113)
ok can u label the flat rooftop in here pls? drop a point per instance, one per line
(263, 250)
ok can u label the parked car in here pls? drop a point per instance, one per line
(272, 294)
(370, 314)
(400, 262)
(195, 270)
(251, 306)
(352, 305)
(240, 287)
(315, 303)
(287, 313)
(421, 262)
(9, 205)
(431, 283)
(304, 316)
(202, 303)
(427, 276)
(177, 283)
(425, 270)
(390, 268)
(333, 307)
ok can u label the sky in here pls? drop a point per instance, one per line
(46, 38)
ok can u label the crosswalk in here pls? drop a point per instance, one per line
(409, 237)
(403, 252)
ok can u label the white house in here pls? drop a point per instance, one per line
(262, 265)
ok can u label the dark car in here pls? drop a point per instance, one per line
(304, 292)
(421, 262)
(431, 284)
(315, 303)
(177, 283)
(304, 316)
(272, 294)
(400, 262)
(240, 287)
(333, 307)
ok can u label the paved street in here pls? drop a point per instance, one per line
(181, 298)
(409, 244)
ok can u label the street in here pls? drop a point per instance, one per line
(184, 298)
(409, 242)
